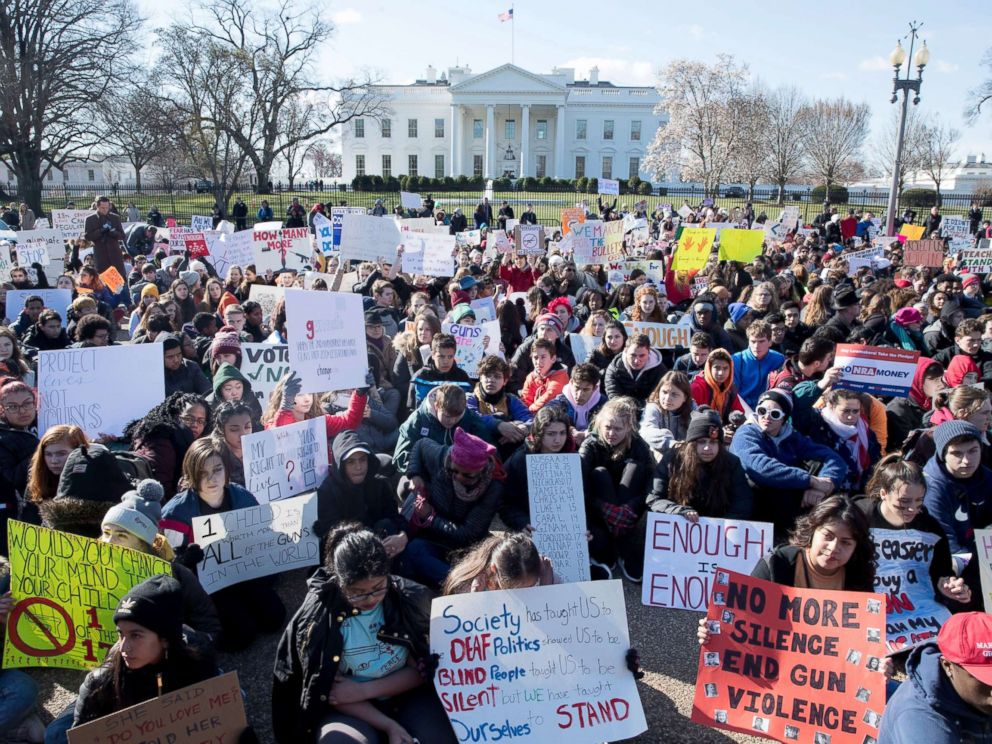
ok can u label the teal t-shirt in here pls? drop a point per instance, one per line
(365, 657)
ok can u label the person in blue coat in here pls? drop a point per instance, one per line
(753, 365)
(947, 695)
(789, 472)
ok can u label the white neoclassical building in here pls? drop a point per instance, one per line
(505, 122)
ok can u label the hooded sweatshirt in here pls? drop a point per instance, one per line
(424, 424)
(751, 373)
(229, 373)
(622, 380)
(960, 504)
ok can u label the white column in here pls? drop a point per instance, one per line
(524, 139)
(490, 141)
(560, 143)
(454, 163)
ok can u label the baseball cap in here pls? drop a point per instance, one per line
(966, 640)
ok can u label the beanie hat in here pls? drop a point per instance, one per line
(140, 511)
(225, 343)
(556, 260)
(844, 296)
(949, 430)
(552, 320)
(971, 279)
(469, 451)
(459, 297)
(704, 423)
(150, 290)
(191, 278)
(906, 316)
(461, 311)
(156, 604)
(91, 473)
(737, 310)
(560, 302)
(197, 266)
(779, 396)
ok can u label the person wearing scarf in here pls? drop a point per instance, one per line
(494, 405)
(715, 386)
(841, 425)
(906, 329)
(903, 415)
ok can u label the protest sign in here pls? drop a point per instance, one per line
(613, 241)
(52, 239)
(699, 285)
(95, 389)
(310, 277)
(620, 271)
(266, 296)
(870, 257)
(902, 574)
(468, 238)
(485, 309)
(587, 241)
(256, 541)
(55, 299)
(662, 335)
(681, 557)
(983, 554)
(429, 255)
(912, 232)
(232, 249)
(409, 200)
(794, 665)
(570, 216)
(65, 589)
(196, 245)
(923, 253)
(558, 513)
(70, 222)
(421, 225)
(208, 711)
(954, 227)
(694, 247)
(288, 248)
(264, 365)
(608, 186)
(471, 345)
(368, 238)
(740, 245)
(583, 346)
(875, 369)
(113, 279)
(6, 264)
(286, 460)
(326, 339)
(201, 222)
(976, 260)
(537, 664)
(529, 239)
(31, 251)
(501, 241)
(324, 232)
(337, 220)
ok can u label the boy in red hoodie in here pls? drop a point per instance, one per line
(545, 383)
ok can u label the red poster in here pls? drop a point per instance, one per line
(794, 665)
(196, 245)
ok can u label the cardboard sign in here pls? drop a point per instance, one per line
(196, 245)
(232, 249)
(694, 248)
(662, 335)
(902, 573)
(264, 365)
(327, 345)
(66, 589)
(485, 309)
(209, 711)
(52, 239)
(876, 370)
(267, 296)
(428, 254)
(368, 238)
(288, 248)
(285, 461)
(912, 232)
(70, 222)
(681, 557)
(468, 238)
(529, 240)
(201, 222)
(471, 345)
(870, 257)
(558, 513)
(983, 554)
(608, 186)
(740, 245)
(33, 251)
(245, 544)
(569, 217)
(587, 240)
(337, 220)
(793, 665)
(55, 299)
(923, 252)
(99, 389)
(409, 200)
(537, 665)
(613, 240)
(113, 279)
(583, 346)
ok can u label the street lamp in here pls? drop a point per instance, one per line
(898, 57)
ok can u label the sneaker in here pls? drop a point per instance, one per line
(30, 729)
(599, 572)
(629, 574)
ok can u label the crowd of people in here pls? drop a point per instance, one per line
(427, 491)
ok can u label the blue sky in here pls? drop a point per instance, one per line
(795, 43)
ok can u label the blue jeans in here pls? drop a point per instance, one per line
(56, 731)
(425, 561)
(18, 693)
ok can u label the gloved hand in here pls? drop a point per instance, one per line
(290, 390)
(633, 660)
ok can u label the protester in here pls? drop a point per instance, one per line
(46, 467)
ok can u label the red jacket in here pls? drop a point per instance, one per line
(520, 280)
(539, 390)
(336, 422)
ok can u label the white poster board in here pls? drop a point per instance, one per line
(544, 664)
(51, 238)
(201, 222)
(583, 346)
(70, 222)
(410, 200)
(232, 249)
(55, 299)
(529, 240)
(662, 335)
(267, 296)
(286, 460)
(264, 365)
(337, 219)
(428, 254)
(99, 389)
(680, 558)
(311, 276)
(558, 513)
(326, 334)
(368, 238)
(33, 251)
(983, 554)
(324, 233)
(6, 264)
(471, 345)
(484, 309)
(288, 248)
(608, 186)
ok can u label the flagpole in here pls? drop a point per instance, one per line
(513, 34)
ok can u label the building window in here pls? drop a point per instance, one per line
(359, 165)
(635, 131)
(635, 167)
(439, 166)
(51, 176)
(607, 166)
(477, 166)
(411, 165)
(91, 174)
(359, 128)
(411, 128)
(542, 129)
(439, 128)
(580, 166)
(510, 129)
(580, 129)
(387, 127)
(387, 166)
(476, 128)
(542, 166)
(608, 129)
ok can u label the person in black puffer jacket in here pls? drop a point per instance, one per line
(18, 441)
(166, 432)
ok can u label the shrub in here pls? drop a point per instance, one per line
(391, 184)
(376, 183)
(644, 188)
(592, 186)
(838, 194)
(547, 182)
(919, 198)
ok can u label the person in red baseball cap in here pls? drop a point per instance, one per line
(947, 696)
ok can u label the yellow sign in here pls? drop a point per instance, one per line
(694, 248)
(740, 245)
(113, 279)
(66, 588)
(913, 232)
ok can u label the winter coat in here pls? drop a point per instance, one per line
(35, 337)
(751, 373)
(902, 415)
(702, 395)
(228, 373)
(516, 410)
(380, 429)
(199, 612)
(189, 378)
(779, 464)
(741, 503)
(821, 433)
(596, 454)
(721, 339)
(334, 423)
(621, 380)
(309, 651)
(738, 338)
(983, 360)
(660, 428)
(177, 516)
(424, 424)
(563, 401)
(538, 391)
(960, 505)
(164, 444)
(16, 449)
(521, 364)
(428, 378)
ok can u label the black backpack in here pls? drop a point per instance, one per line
(136, 467)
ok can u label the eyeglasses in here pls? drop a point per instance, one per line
(773, 413)
(193, 421)
(15, 407)
(367, 595)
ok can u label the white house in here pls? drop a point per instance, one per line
(505, 122)
(80, 173)
(966, 177)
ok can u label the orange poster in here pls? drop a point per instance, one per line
(694, 247)
(794, 665)
(912, 232)
(570, 215)
(113, 279)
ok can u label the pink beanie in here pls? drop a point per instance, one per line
(469, 451)
(907, 316)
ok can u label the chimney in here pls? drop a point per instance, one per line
(431, 75)
(594, 76)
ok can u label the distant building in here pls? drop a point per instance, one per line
(81, 173)
(965, 177)
(505, 122)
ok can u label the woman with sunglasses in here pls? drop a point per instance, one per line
(790, 473)
(346, 668)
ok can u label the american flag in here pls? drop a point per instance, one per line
(507, 16)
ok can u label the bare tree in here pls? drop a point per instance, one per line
(702, 131)
(750, 158)
(783, 138)
(296, 117)
(936, 149)
(883, 151)
(833, 133)
(980, 94)
(325, 162)
(58, 58)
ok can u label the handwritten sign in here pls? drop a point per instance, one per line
(286, 460)
(208, 711)
(326, 339)
(65, 590)
(52, 239)
(983, 543)
(70, 222)
(484, 309)
(267, 296)
(288, 248)
(587, 240)
(264, 365)
(558, 513)
(232, 249)
(571, 216)
(196, 245)
(113, 279)
(32, 251)
(791, 664)
(613, 241)
(337, 220)
(608, 186)
(923, 252)
(471, 345)
(529, 239)
(501, 241)
(6, 263)
(368, 238)
(619, 272)
(875, 369)
(429, 254)
(83, 386)
(681, 557)
(256, 541)
(695, 245)
(537, 664)
(410, 200)
(954, 227)
(201, 222)
(976, 260)
(55, 299)
(662, 335)
(468, 238)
